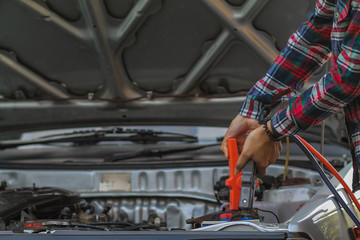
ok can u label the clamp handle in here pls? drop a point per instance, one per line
(241, 185)
(234, 181)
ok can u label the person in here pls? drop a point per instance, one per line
(331, 31)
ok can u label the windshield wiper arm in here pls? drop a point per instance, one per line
(113, 134)
(155, 152)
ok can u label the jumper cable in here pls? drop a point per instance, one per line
(309, 151)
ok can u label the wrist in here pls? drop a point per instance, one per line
(266, 124)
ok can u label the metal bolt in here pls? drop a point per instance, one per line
(91, 96)
(244, 201)
(149, 94)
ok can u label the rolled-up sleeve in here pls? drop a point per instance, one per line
(333, 92)
(306, 51)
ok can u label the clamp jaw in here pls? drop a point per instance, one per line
(242, 185)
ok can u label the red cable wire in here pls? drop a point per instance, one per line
(332, 170)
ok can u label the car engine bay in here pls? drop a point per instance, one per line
(155, 200)
(112, 114)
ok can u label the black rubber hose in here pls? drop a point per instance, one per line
(326, 179)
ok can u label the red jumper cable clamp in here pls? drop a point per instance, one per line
(242, 185)
(242, 191)
(234, 181)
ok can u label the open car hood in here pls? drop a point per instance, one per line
(186, 65)
(71, 63)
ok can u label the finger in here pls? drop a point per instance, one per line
(261, 171)
(224, 147)
(241, 163)
(226, 152)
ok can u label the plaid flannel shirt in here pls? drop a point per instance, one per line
(332, 31)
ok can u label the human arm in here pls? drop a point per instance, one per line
(335, 90)
(306, 51)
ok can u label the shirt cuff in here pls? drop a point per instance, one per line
(251, 109)
(282, 125)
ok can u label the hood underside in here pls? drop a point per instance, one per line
(66, 63)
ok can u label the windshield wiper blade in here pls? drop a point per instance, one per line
(113, 134)
(156, 152)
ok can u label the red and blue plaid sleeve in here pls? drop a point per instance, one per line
(307, 50)
(333, 27)
(337, 88)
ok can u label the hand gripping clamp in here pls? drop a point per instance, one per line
(242, 185)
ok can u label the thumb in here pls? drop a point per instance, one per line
(241, 163)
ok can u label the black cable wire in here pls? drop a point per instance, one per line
(268, 211)
(326, 180)
(84, 225)
(137, 227)
(111, 223)
(235, 216)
